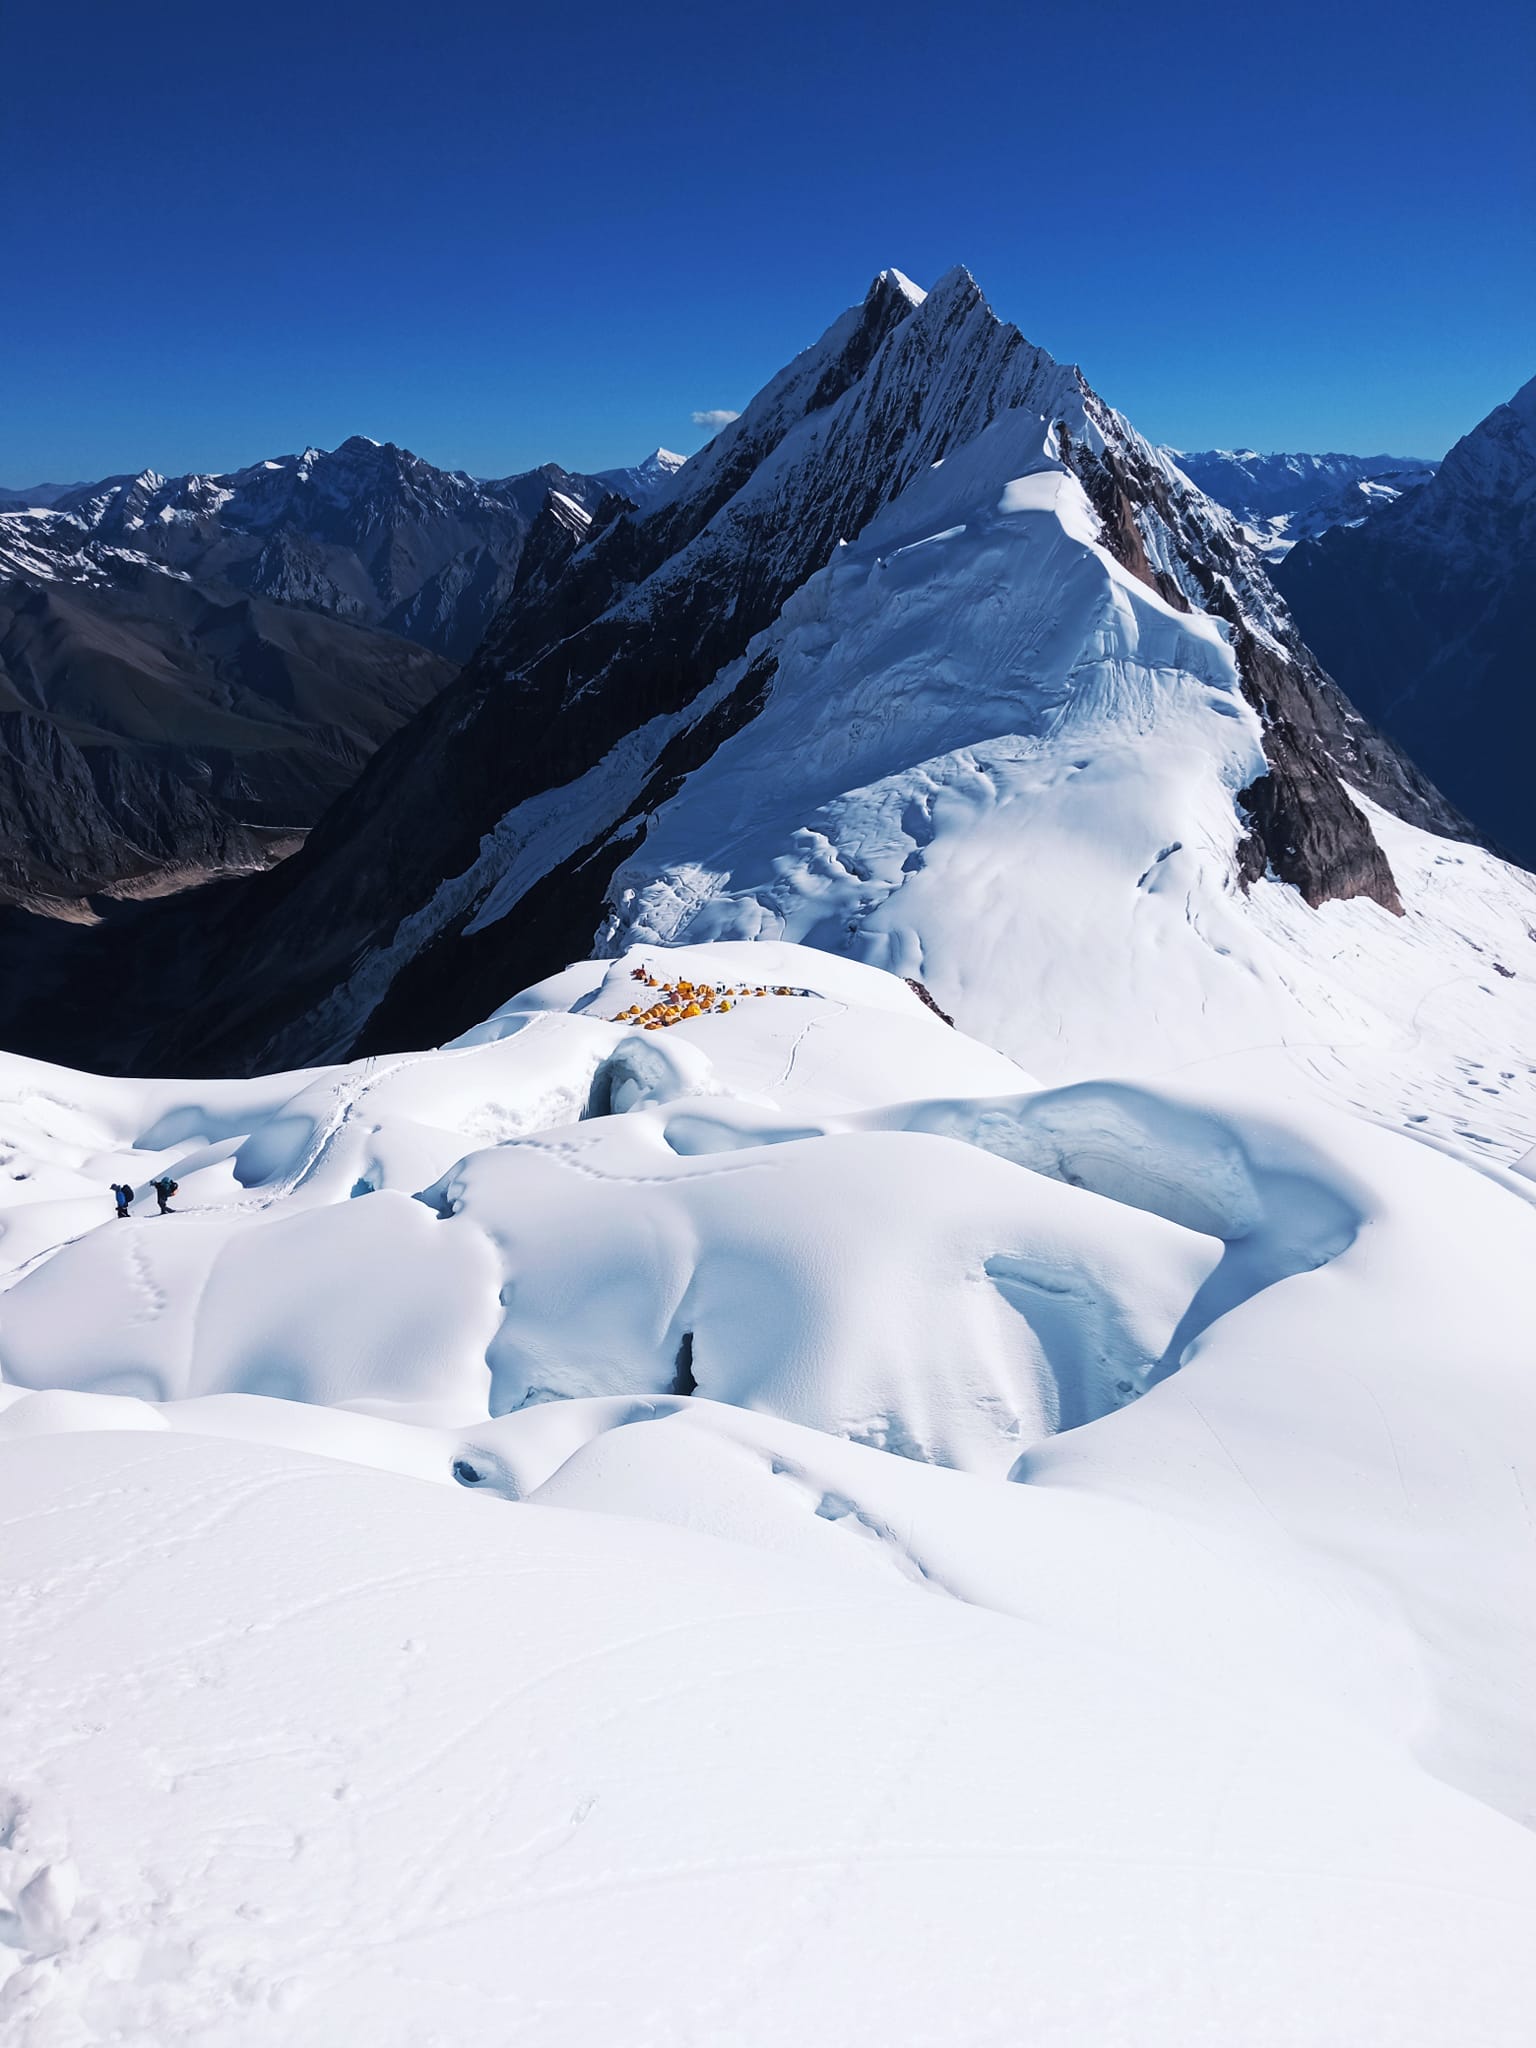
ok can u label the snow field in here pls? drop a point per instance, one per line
(317, 1753)
(781, 1527)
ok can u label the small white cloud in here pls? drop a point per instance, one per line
(716, 419)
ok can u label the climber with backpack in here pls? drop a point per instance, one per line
(164, 1188)
(123, 1196)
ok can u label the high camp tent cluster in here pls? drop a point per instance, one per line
(678, 1000)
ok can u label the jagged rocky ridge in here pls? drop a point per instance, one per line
(594, 697)
(1424, 615)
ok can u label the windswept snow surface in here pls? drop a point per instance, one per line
(780, 1528)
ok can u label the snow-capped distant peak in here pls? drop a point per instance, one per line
(913, 293)
(646, 479)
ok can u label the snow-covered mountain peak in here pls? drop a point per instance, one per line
(644, 481)
(903, 283)
(137, 496)
(956, 282)
(773, 693)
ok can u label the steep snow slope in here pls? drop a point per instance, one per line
(1424, 615)
(621, 674)
(1283, 499)
(461, 1582)
(993, 758)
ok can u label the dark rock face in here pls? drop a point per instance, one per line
(453, 973)
(90, 994)
(81, 819)
(453, 608)
(1423, 615)
(475, 852)
(925, 996)
(153, 728)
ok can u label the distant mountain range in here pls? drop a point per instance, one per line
(1283, 499)
(367, 532)
(37, 495)
(192, 668)
(1424, 615)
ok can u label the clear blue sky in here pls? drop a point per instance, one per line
(503, 234)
